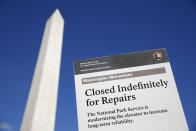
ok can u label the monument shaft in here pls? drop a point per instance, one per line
(40, 110)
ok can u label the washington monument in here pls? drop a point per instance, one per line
(40, 110)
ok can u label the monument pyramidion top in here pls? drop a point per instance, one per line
(56, 16)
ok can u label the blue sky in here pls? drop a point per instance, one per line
(93, 28)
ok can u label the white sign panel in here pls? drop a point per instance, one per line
(129, 92)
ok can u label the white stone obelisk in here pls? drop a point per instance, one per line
(40, 110)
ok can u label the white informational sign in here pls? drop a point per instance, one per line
(128, 92)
